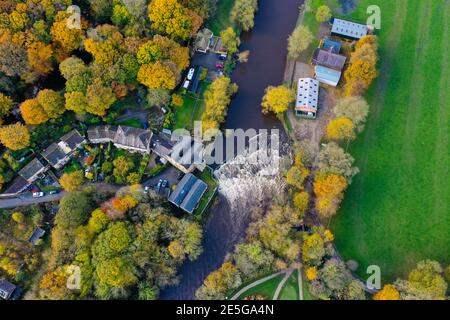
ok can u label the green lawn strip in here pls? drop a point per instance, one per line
(191, 110)
(290, 289)
(265, 289)
(307, 295)
(393, 214)
(222, 19)
(207, 198)
(131, 122)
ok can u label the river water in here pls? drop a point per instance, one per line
(227, 222)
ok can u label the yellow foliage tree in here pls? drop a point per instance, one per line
(15, 136)
(341, 129)
(311, 273)
(72, 181)
(76, 101)
(40, 57)
(330, 187)
(157, 76)
(387, 293)
(68, 39)
(277, 99)
(171, 18)
(32, 112)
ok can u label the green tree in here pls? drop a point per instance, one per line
(72, 181)
(231, 40)
(323, 14)
(99, 98)
(52, 102)
(300, 39)
(243, 13)
(6, 104)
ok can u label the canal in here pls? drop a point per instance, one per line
(267, 44)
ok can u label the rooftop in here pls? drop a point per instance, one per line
(18, 185)
(31, 169)
(327, 75)
(332, 45)
(307, 94)
(73, 139)
(6, 289)
(102, 133)
(349, 29)
(328, 59)
(37, 234)
(188, 193)
(133, 137)
(54, 154)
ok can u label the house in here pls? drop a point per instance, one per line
(32, 170)
(123, 137)
(331, 46)
(59, 154)
(328, 59)
(8, 290)
(133, 139)
(37, 234)
(18, 185)
(183, 152)
(306, 104)
(101, 134)
(327, 75)
(188, 193)
(203, 40)
(348, 29)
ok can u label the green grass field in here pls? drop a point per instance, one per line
(397, 210)
(290, 289)
(266, 289)
(222, 19)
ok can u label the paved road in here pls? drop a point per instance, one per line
(27, 199)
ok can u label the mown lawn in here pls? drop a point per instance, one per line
(265, 289)
(191, 110)
(397, 210)
(290, 289)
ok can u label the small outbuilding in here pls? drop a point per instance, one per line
(36, 236)
(327, 76)
(328, 59)
(306, 105)
(8, 290)
(188, 193)
(348, 29)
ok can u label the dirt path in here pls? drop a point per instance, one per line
(256, 283)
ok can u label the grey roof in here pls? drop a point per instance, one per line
(102, 132)
(162, 144)
(133, 137)
(37, 234)
(6, 289)
(19, 184)
(188, 192)
(328, 59)
(31, 169)
(349, 29)
(73, 139)
(54, 154)
(193, 197)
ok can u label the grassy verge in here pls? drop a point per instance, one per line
(207, 198)
(222, 19)
(290, 289)
(265, 289)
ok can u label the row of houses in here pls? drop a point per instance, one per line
(328, 66)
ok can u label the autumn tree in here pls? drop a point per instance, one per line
(157, 75)
(15, 136)
(363, 66)
(219, 282)
(300, 39)
(341, 129)
(68, 39)
(6, 104)
(277, 99)
(329, 191)
(301, 201)
(313, 249)
(243, 13)
(333, 159)
(389, 292)
(122, 167)
(217, 99)
(40, 57)
(32, 112)
(158, 97)
(425, 282)
(252, 258)
(99, 98)
(171, 18)
(231, 40)
(323, 13)
(77, 74)
(354, 108)
(76, 101)
(72, 181)
(52, 102)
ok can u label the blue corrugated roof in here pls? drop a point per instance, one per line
(327, 75)
(331, 44)
(182, 189)
(193, 197)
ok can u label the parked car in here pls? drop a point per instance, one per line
(54, 192)
(191, 73)
(146, 189)
(223, 56)
(38, 194)
(220, 66)
(164, 183)
(158, 186)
